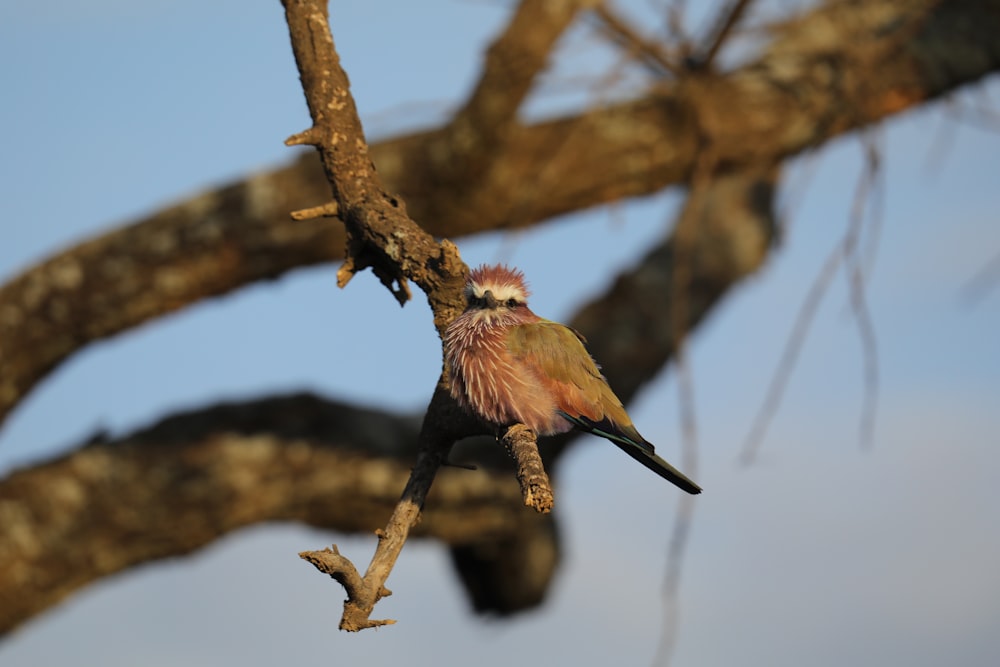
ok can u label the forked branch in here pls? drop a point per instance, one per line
(382, 236)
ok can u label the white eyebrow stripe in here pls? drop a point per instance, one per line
(500, 292)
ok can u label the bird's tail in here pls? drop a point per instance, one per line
(658, 465)
(638, 448)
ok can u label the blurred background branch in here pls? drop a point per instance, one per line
(100, 508)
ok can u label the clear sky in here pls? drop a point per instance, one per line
(821, 554)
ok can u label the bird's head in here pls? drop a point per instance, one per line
(495, 288)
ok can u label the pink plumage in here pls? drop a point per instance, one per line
(508, 365)
(486, 378)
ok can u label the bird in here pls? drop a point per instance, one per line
(507, 366)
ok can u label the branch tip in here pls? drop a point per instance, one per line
(346, 271)
(308, 137)
(327, 210)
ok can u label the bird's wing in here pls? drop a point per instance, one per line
(556, 355)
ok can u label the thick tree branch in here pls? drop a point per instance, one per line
(379, 233)
(473, 137)
(172, 488)
(827, 72)
(382, 236)
(629, 327)
(305, 460)
(830, 71)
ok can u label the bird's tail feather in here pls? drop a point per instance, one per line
(659, 466)
(639, 449)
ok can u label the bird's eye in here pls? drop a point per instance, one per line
(511, 303)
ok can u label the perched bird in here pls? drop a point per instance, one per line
(508, 366)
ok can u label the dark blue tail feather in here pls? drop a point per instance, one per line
(641, 450)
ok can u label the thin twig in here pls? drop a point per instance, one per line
(684, 236)
(651, 53)
(776, 389)
(844, 252)
(795, 193)
(536, 489)
(683, 517)
(676, 33)
(983, 282)
(723, 25)
(859, 264)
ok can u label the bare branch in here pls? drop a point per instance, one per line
(177, 459)
(652, 54)
(690, 222)
(512, 63)
(679, 535)
(536, 489)
(379, 233)
(983, 282)
(172, 488)
(830, 71)
(789, 356)
(327, 210)
(844, 252)
(858, 268)
(329, 561)
(382, 236)
(723, 25)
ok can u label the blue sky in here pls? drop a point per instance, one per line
(820, 554)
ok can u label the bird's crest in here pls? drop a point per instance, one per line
(503, 281)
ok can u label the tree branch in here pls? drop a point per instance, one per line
(832, 70)
(472, 139)
(272, 452)
(723, 25)
(172, 488)
(869, 60)
(380, 235)
(536, 489)
(652, 53)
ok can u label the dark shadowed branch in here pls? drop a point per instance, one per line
(875, 59)
(379, 235)
(306, 460)
(831, 70)
(100, 509)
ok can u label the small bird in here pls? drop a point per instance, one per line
(509, 366)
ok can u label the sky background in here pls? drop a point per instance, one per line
(822, 553)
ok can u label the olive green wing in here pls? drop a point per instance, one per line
(555, 354)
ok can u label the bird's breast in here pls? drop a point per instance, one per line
(487, 379)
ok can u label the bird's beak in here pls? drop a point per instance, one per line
(491, 301)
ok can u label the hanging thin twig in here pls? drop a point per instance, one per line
(844, 252)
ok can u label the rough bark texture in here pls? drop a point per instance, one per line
(102, 509)
(522, 444)
(379, 235)
(830, 71)
(834, 69)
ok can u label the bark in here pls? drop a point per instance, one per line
(837, 68)
(834, 69)
(170, 489)
(329, 465)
